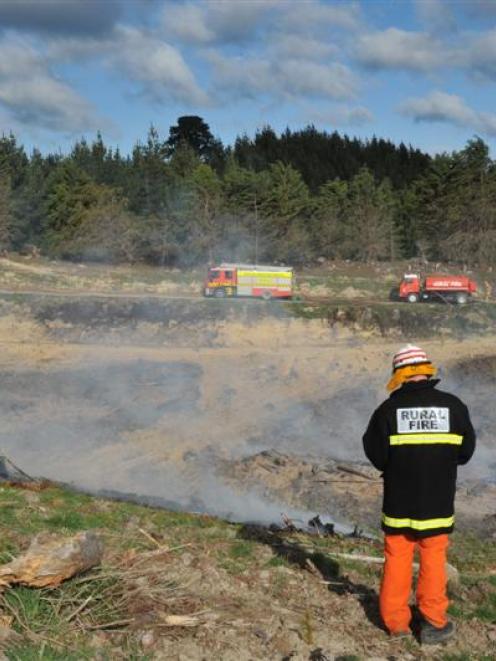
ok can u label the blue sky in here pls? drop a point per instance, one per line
(418, 71)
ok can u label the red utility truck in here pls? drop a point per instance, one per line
(249, 280)
(443, 288)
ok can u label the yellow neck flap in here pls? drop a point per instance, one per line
(402, 374)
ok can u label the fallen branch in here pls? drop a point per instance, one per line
(149, 537)
(354, 471)
(118, 624)
(51, 560)
(179, 620)
(79, 609)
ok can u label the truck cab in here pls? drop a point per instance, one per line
(409, 288)
(220, 282)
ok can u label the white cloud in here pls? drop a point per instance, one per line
(31, 93)
(188, 23)
(451, 109)
(216, 21)
(436, 15)
(59, 16)
(480, 8)
(281, 79)
(334, 80)
(76, 49)
(315, 15)
(157, 66)
(400, 49)
(471, 52)
(148, 62)
(35, 97)
(480, 55)
(341, 115)
(298, 46)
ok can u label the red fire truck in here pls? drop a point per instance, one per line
(249, 280)
(442, 288)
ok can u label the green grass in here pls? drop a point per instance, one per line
(277, 561)
(241, 550)
(45, 652)
(46, 613)
(476, 595)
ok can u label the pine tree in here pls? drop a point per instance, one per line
(5, 213)
(370, 232)
(205, 211)
(13, 160)
(28, 202)
(245, 192)
(149, 176)
(193, 131)
(328, 219)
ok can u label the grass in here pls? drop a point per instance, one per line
(133, 584)
(476, 595)
(47, 274)
(43, 617)
(277, 561)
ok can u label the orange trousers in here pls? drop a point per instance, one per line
(396, 585)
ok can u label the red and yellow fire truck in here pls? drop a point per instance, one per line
(249, 280)
(445, 288)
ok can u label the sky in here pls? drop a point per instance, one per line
(418, 71)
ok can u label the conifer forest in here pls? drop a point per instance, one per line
(300, 198)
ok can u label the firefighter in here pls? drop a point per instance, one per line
(417, 438)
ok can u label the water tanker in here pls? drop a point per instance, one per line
(442, 288)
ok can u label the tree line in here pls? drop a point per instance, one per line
(295, 198)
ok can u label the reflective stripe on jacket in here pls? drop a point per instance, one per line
(417, 438)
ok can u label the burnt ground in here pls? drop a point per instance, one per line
(347, 491)
(185, 401)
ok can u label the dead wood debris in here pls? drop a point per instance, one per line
(136, 590)
(51, 560)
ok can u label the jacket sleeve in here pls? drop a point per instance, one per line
(376, 440)
(468, 444)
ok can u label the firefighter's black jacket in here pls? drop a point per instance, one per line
(417, 438)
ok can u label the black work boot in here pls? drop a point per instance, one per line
(431, 635)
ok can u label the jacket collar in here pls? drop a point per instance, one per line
(414, 386)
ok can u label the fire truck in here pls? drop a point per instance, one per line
(265, 282)
(442, 288)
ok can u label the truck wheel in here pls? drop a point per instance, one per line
(412, 298)
(461, 298)
(220, 293)
(267, 295)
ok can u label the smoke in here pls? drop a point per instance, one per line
(95, 427)
(155, 428)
